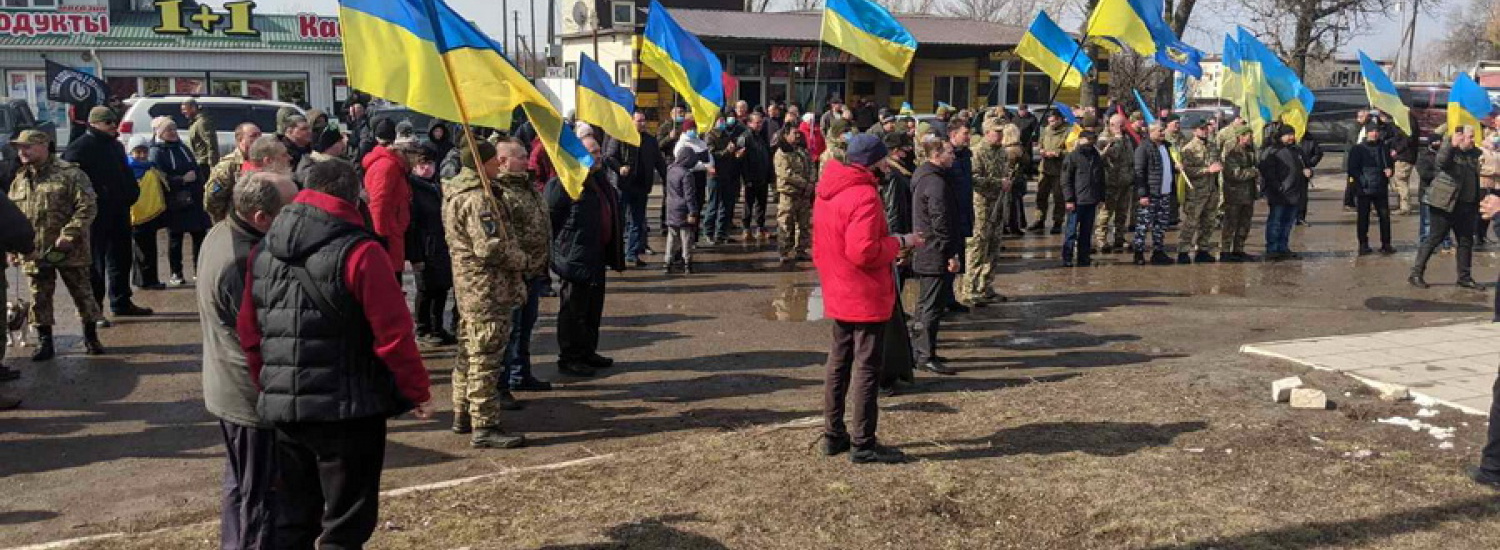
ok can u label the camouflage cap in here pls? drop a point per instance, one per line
(1243, 131)
(32, 137)
(102, 114)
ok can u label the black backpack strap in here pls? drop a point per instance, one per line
(316, 292)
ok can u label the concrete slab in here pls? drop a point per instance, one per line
(1454, 365)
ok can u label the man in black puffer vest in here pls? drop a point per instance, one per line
(330, 343)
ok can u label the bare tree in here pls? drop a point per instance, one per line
(1010, 12)
(1473, 35)
(1130, 71)
(1317, 27)
(757, 5)
(909, 6)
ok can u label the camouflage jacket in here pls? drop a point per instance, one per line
(1197, 155)
(1119, 159)
(204, 140)
(218, 191)
(59, 201)
(1010, 135)
(793, 172)
(1240, 175)
(991, 169)
(1225, 140)
(488, 262)
(528, 216)
(1054, 140)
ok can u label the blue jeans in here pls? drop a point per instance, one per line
(1426, 224)
(1279, 228)
(723, 196)
(518, 349)
(1080, 222)
(633, 205)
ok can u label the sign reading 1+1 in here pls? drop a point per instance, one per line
(238, 19)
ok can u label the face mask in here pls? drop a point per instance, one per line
(691, 134)
(730, 121)
(719, 126)
(424, 170)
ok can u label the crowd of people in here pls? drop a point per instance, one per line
(302, 240)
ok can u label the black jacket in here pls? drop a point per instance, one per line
(1405, 147)
(934, 211)
(895, 195)
(578, 253)
(1282, 180)
(1149, 170)
(645, 162)
(441, 146)
(425, 240)
(1083, 176)
(1426, 167)
(184, 198)
(1029, 127)
(1312, 153)
(1367, 165)
(102, 159)
(756, 164)
(16, 234)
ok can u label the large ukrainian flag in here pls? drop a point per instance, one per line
(1468, 105)
(424, 55)
(602, 103)
(687, 66)
(869, 32)
(1231, 86)
(1142, 25)
(1274, 85)
(1054, 52)
(1383, 94)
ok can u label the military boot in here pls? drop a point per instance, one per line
(1140, 258)
(462, 423)
(495, 438)
(44, 351)
(91, 343)
(1203, 257)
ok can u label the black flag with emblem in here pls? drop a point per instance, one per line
(74, 87)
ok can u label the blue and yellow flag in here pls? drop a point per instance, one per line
(422, 54)
(868, 31)
(1383, 94)
(1145, 109)
(1468, 105)
(1142, 25)
(687, 66)
(603, 104)
(1065, 112)
(1054, 52)
(1231, 87)
(1274, 85)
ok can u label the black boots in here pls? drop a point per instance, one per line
(44, 350)
(1140, 258)
(1203, 257)
(1416, 280)
(1160, 258)
(91, 343)
(495, 438)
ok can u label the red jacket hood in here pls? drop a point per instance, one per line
(381, 152)
(838, 177)
(340, 208)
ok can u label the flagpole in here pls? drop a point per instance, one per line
(818, 69)
(463, 112)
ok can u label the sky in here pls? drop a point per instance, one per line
(1380, 40)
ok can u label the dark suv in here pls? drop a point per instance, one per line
(15, 115)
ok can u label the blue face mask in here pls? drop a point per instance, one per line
(678, 118)
(691, 134)
(730, 121)
(719, 126)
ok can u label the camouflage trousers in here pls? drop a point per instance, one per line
(1049, 194)
(1236, 227)
(794, 224)
(1200, 218)
(1153, 218)
(479, 367)
(1114, 216)
(983, 249)
(43, 283)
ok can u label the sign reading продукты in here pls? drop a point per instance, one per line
(87, 20)
(238, 19)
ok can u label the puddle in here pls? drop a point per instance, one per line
(795, 303)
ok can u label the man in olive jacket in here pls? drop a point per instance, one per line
(1453, 201)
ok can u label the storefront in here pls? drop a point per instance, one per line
(213, 50)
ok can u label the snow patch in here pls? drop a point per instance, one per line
(1436, 432)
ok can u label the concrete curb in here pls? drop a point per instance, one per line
(1251, 349)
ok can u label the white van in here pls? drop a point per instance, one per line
(227, 112)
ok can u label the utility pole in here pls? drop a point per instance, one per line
(596, 37)
(505, 28)
(533, 32)
(552, 24)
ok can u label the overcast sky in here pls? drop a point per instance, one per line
(1380, 40)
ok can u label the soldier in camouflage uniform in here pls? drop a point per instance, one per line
(1049, 189)
(1119, 197)
(1200, 208)
(1241, 177)
(991, 196)
(58, 199)
(533, 232)
(218, 192)
(488, 265)
(795, 186)
(202, 138)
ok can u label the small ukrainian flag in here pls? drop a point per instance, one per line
(869, 32)
(603, 104)
(1054, 52)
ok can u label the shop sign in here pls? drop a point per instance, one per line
(809, 54)
(238, 19)
(311, 26)
(85, 20)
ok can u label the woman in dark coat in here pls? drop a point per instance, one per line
(427, 246)
(185, 214)
(438, 138)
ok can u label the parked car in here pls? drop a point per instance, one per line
(16, 115)
(1191, 116)
(400, 113)
(227, 113)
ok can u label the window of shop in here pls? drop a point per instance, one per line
(123, 86)
(155, 85)
(953, 90)
(1025, 83)
(746, 65)
(228, 87)
(183, 85)
(34, 4)
(622, 73)
(647, 86)
(292, 91)
(622, 14)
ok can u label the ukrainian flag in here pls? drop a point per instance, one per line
(1054, 52)
(1230, 85)
(1468, 105)
(869, 32)
(685, 64)
(1382, 93)
(424, 55)
(1065, 112)
(1273, 85)
(603, 104)
(1142, 25)
(1145, 109)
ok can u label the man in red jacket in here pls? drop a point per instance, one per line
(855, 255)
(389, 195)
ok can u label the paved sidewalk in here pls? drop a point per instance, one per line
(1454, 365)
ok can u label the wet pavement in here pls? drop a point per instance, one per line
(122, 441)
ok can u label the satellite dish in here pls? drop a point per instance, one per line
(581, 14)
